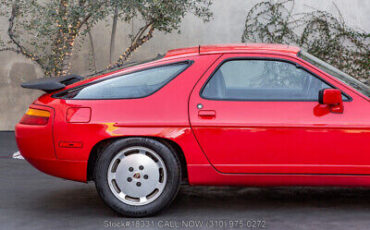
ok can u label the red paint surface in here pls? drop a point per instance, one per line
(78, 115)
(225, 142)
(333, 98)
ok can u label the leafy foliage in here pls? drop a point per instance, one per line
(318, 32)
(160, 15)
(46, 31)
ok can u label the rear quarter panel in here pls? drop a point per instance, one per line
(163, 114)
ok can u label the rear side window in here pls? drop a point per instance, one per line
(268, 80)
(132, 85)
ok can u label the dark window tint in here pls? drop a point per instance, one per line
(131, 85)
(262, 80)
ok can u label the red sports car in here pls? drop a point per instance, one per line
(253, 115)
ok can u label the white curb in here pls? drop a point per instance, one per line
(18, 155)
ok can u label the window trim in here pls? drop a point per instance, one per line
(171, 78)
(349, 98)
(337, 79)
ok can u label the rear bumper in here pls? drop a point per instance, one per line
(71, 170)
(42, 157)
(36, 144)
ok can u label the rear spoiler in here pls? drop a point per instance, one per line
(52, 83)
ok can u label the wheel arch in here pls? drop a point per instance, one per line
(101, 145)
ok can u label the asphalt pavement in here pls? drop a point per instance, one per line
(7, 144)
(30, 199)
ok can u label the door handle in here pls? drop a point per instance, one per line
(207, 114)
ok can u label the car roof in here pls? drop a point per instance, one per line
(208, 49)
(232, 48)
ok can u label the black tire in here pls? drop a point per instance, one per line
(170, 189)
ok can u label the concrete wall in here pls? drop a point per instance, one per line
(226, 27)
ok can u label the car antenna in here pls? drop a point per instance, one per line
(199, 49)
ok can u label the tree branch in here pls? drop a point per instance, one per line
(10, 49)
(92, 47)
(113, 35)
(88, 16)
(21, 49)
(136, 43)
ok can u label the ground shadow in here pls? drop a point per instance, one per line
(212, 200)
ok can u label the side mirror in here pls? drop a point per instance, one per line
(332, 98)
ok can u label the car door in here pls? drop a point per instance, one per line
(260, 114)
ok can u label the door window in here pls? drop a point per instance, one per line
(262, 80)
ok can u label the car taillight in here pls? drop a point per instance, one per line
(35, 117)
